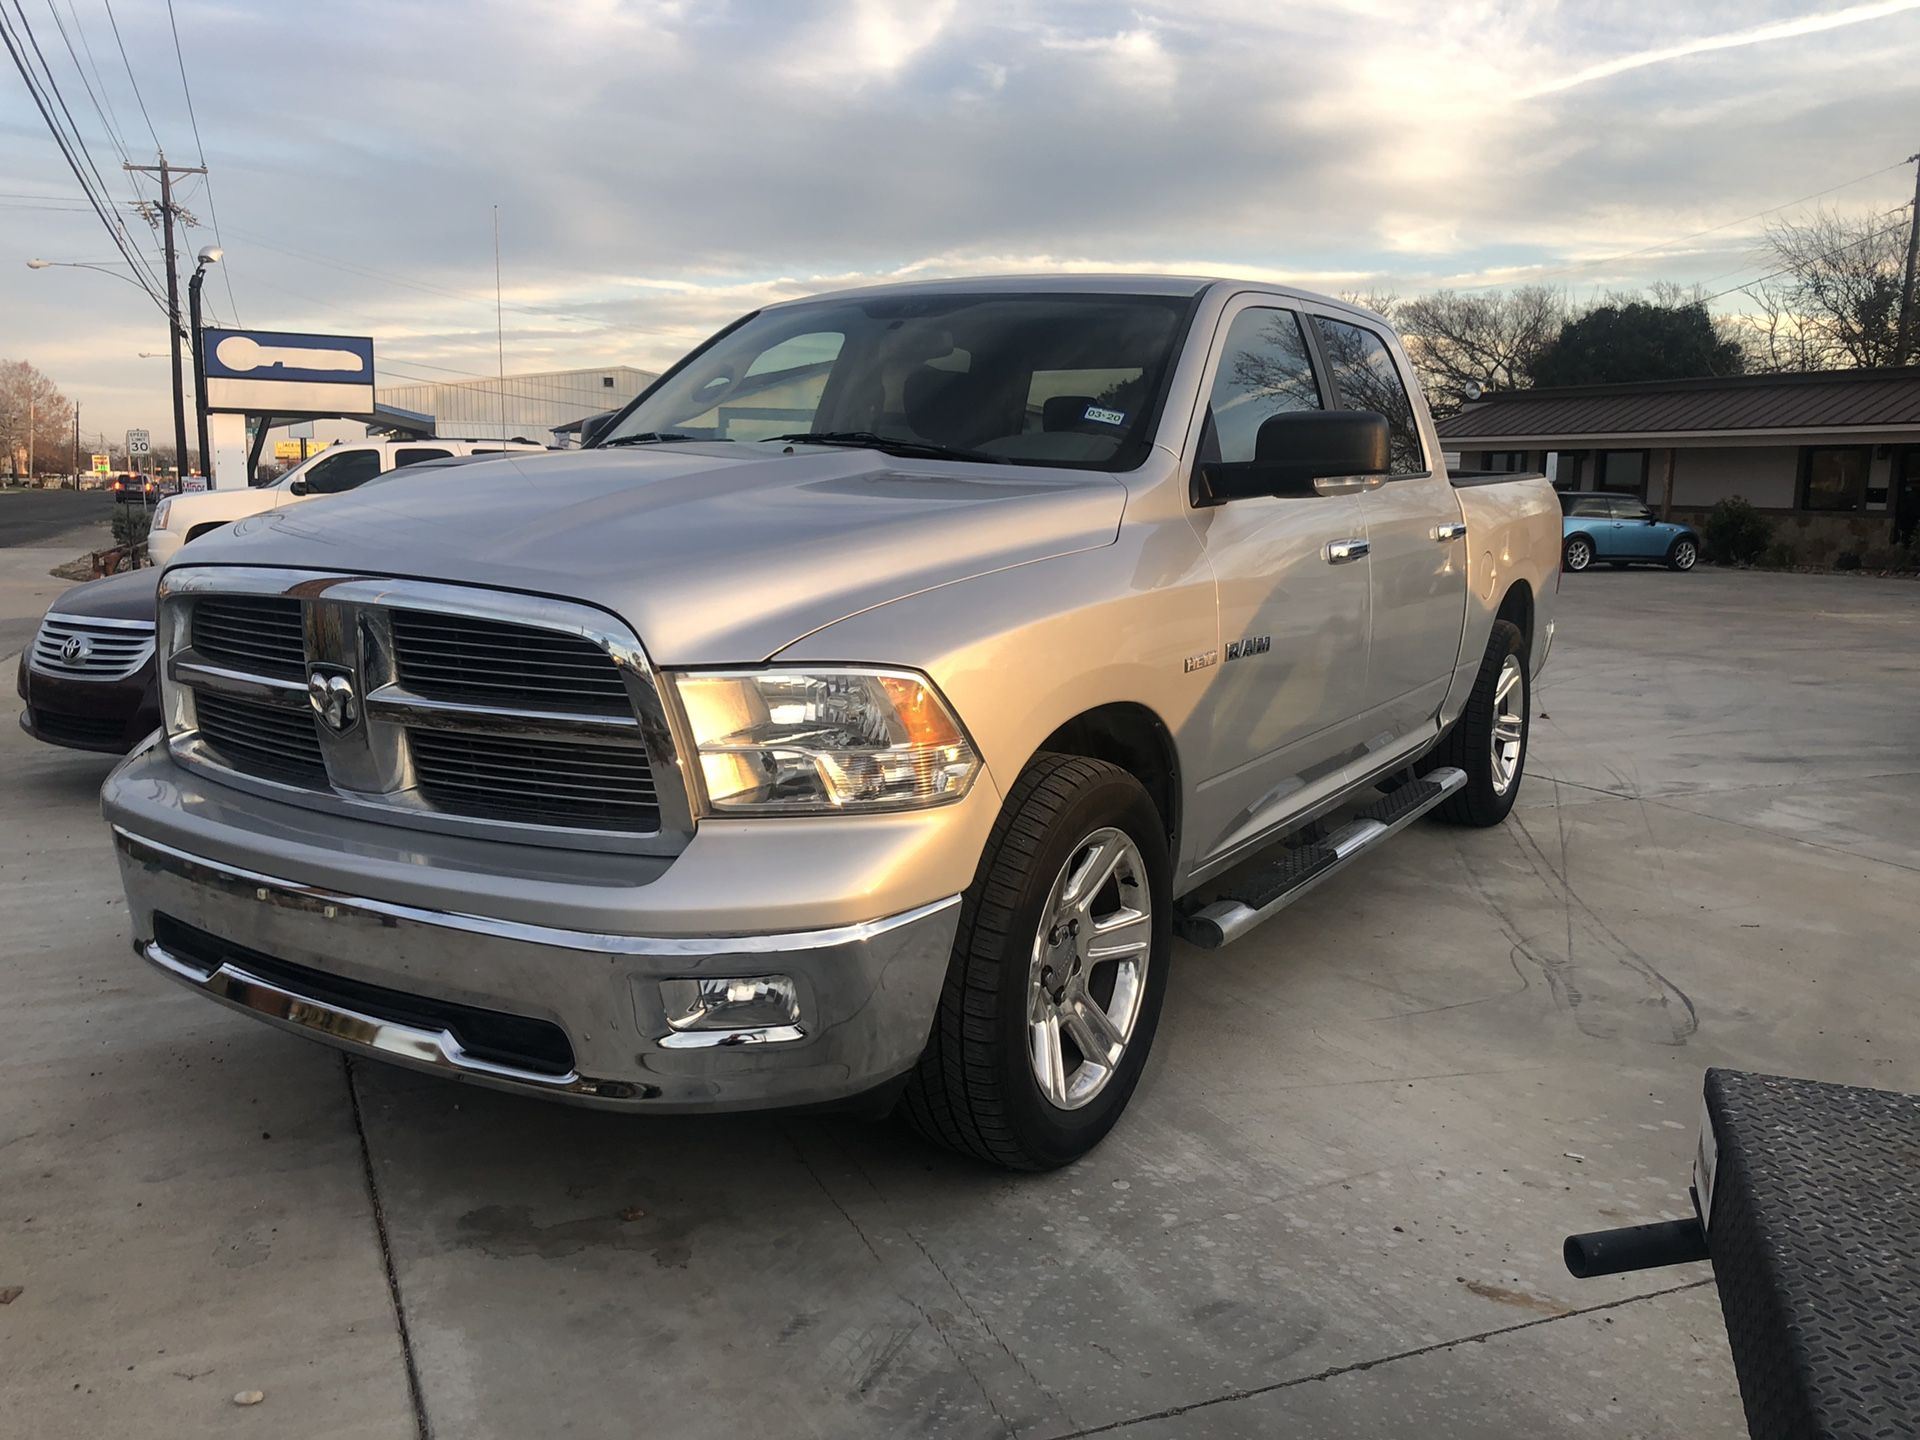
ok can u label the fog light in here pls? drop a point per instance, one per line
(736, 1010)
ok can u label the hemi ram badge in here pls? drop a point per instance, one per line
(1201, 661)
(1252, 645)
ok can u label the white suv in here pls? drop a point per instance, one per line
(333, 470)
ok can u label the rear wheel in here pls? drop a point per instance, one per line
(1489, 741)
(1685, 553)
(1058, 971)
(1579, 554)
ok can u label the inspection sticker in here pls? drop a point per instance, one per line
(1106, 417)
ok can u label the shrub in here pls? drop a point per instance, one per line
(131, 523)
(1779, 556)
(1847, 560)
(1735, 533)
(1817, 549)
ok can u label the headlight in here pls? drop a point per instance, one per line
(795, 741)
(160, 514)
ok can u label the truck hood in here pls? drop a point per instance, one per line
(714, 553)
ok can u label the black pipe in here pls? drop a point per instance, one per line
(1635, 1247)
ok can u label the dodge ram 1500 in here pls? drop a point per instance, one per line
(858, 719)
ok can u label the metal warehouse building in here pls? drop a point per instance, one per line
(527, 407)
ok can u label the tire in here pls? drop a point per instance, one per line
(977, 1088)
(1684, 554)
(1486, 798)
(1578, 554)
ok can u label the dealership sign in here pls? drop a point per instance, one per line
(271, 372)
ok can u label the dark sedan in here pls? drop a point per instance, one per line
(88, 676)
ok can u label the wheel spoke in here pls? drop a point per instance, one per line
(1125, 932)
(1049, 1063)
(1507, 729)
(1093, 1031)
(1094, 873)
(1509, 678)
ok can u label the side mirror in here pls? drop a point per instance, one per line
(298, 487)
(1296, 450)
(594, 426)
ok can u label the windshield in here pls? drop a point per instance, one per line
(1032, 379)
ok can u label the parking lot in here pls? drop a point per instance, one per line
(1335, 1207)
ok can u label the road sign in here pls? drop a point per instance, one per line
(279, 373)
(103, 464)
(139, 442)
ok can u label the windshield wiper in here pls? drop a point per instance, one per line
(653, 437)
(890, 444)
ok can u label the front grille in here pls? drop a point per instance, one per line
(492, 662)
(269, 740)
(82, 649)
(536, 782)
(258, 634)
(496, 1036)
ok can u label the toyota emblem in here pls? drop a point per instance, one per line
(77, 650)
(330, 692)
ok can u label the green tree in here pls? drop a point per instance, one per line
(1624, 341)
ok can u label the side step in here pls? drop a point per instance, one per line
(1269, 888)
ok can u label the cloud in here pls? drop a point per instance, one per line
(661, 167)
(1757, 35)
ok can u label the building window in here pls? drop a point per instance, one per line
(1621, 472)
(606, 382)
(1505, 462)
(1834, 478)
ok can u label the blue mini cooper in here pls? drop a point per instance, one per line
(1621, 530)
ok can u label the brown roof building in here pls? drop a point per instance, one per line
(1835, 455)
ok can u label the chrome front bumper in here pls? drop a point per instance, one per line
(866, 992)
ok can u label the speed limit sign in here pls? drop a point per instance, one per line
(139, 442)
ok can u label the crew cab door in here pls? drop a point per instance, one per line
(1418, 556)
(1282, 709)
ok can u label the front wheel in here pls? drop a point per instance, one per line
(1684, 555)
(1489, 740)
(1058, 971)
(1579, 554)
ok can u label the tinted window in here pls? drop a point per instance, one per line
(1589, 506)
(342, 472)
(951, 369)
(1622, 471)
(1264, 370)
(1835, 480)
(1367, 379)
(414, 457)
(1630, 510)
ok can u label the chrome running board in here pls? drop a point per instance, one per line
(1276, 884)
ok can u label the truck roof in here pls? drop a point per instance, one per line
(1118, 283)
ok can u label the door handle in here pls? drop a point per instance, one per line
(1454, 531)
(1340, 552)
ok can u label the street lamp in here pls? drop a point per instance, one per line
(81, 265)
(209, 255)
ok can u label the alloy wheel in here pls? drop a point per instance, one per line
(1089, 968)
(1509, 723)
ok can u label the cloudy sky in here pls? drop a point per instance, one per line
(662, 165)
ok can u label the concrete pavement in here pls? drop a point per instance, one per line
(1335, 1207)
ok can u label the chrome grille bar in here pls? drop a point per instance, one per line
(478, 712)
(102, 649)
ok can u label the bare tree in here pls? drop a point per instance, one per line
(1490, 340)
(1837, 304)
(36, 420)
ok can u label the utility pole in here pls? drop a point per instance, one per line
(76, 444)
(166, 173)
(1903, 342)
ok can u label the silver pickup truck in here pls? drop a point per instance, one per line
(858, 719)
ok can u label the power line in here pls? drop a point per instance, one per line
(1693, 235)
(1824, 255)
(111, 20)
(213, 213)
(106, 95)
(100, 205)
(52, 85)
(113, 137)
